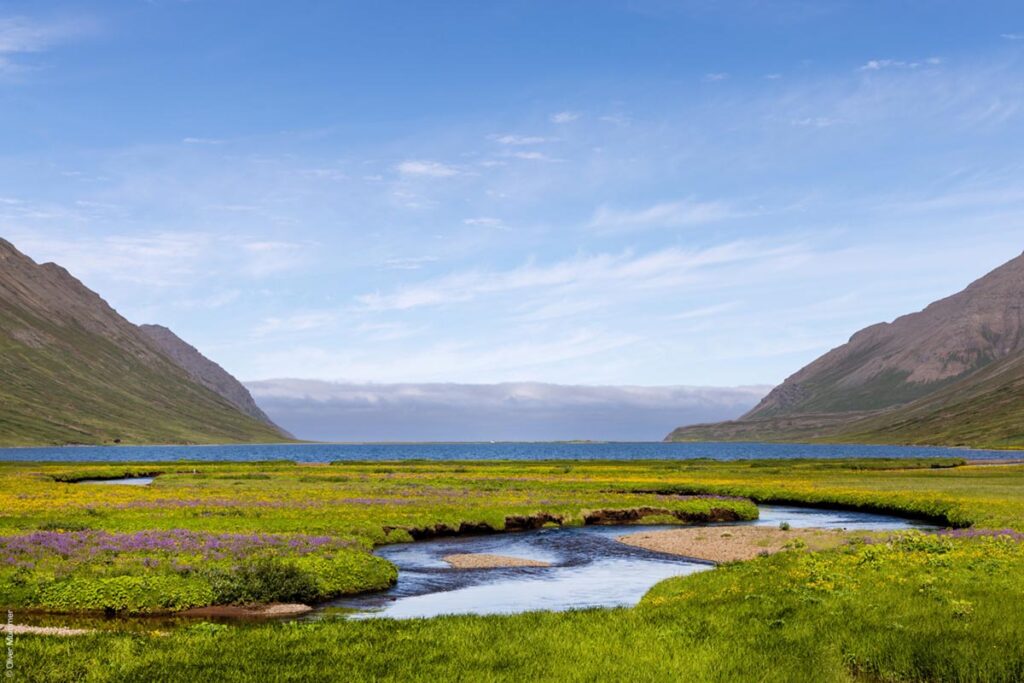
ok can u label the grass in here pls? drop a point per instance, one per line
(907, 611)
(69, 546)
(983, 410)
(915, 608)
(83, 387)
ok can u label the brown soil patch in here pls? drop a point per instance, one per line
(728, 544)
(634, 515)
(485, 561)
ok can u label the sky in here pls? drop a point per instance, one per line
(596, 192)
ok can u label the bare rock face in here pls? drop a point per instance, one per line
(894, 363)
(204, 371)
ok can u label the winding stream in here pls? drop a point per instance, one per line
(589, 568)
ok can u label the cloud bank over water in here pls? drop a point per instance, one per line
(514, 411)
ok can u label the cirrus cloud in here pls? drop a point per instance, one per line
(658, 269)
(564, 117)
(666, 214)
(20, 35)
(430, 169)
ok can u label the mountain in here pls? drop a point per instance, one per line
(511, 411)
(950, 374)
(204, 371)
(983, 410)
(72, 370)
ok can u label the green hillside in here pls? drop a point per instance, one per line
(782, 429)
(950, 375)
(73, 371)
(985, 410)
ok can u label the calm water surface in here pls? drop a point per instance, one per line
(124, 481)
(486, 451)
(589, 568)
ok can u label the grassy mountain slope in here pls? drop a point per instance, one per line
(204, 371)
(890, 364)
(983, 410)
(952, 374)
(72, 370)
(788, 428)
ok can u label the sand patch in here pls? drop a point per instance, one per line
(254, 611)
(728, 544)
(485, 561)
(19, 629)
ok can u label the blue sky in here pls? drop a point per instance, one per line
(636, 192)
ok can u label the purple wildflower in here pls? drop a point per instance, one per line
(982, 533)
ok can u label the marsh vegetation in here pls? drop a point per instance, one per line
(912, 607)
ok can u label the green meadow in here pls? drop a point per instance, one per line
(910, 607)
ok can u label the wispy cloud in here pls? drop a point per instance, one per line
(545, 308)
(715, 77)
(533, 156)
(161, 259)
(298, 322)
(1012, 36)
(664, 268)
(484, 222)
(387, 332)
(816, 122)
(268, 258)
(409, 263)
(1001, 195)
(202, 141)
(564, 117)
(211, 301)
(520, 139)
(443, 361)
(667, 214)
(164, 259)
(21, 35)
(431, 169)
(704, 311)
(880, 64)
